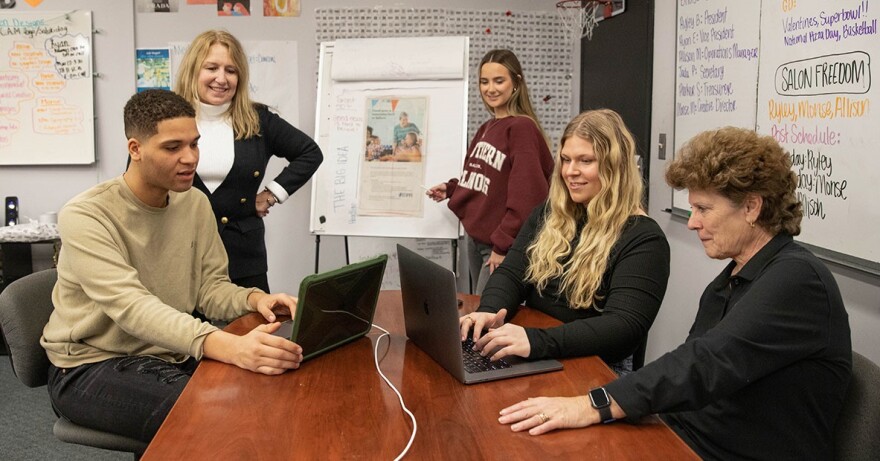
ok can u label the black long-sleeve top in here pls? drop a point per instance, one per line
(766, 365)
(631, 292)
(242, 231)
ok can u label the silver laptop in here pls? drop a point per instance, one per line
(430, 311)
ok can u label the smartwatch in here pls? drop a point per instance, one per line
(601, 401)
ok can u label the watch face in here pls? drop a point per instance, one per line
(599, 398)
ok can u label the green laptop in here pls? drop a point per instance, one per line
(335, 307)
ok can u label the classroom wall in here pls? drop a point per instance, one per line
(691, 270)
(291, 247)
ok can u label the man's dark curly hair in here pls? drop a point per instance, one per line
(146, 109)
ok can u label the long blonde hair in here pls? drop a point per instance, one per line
(245, 121)
(619, 198)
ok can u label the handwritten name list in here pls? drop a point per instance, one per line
(711, 45)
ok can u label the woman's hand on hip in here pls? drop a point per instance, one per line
(263, 202)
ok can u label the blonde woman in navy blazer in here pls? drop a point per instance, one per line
(239, 137)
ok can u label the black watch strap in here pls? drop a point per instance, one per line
(605, 415)
(601, 401)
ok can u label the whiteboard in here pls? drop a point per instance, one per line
(46, 93)
(815, 98)
(812, 91)
(341, 122)
(716, 76)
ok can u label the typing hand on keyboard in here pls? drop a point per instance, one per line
(476, 363)
(508, 339)
(475, 323)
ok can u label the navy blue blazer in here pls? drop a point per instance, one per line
(242, 231)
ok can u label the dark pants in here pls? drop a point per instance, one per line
(129, 396)
(478, 255)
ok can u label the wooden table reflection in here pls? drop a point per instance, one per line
(336, 406)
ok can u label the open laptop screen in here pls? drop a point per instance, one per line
(336, 307)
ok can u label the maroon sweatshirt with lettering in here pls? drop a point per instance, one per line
(506, 174)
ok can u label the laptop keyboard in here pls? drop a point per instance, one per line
(476, 363)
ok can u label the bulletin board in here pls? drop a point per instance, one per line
(360, 81)
(807, 83)
(46, 88)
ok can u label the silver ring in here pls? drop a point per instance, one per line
(544, 418)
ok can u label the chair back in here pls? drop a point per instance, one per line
(857, 432)
(25, 306)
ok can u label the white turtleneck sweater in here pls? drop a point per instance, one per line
(216, 146)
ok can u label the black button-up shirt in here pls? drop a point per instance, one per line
(766, 365)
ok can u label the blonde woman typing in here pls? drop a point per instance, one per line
(589, 257)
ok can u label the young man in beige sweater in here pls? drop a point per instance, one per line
(140, 253)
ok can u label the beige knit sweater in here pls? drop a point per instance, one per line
(130, 275)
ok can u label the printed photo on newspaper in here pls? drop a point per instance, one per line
(392, 169)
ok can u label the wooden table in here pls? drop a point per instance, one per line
(336, 406)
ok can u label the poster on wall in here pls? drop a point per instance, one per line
(239, 8)
(46, 91)
(153, 68)
(157, 6)
(392, 170)
(280, 8)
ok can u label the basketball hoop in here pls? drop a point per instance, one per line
(578, 17)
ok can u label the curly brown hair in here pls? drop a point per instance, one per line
(736, 162)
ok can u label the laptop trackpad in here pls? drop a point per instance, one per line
(285, 330)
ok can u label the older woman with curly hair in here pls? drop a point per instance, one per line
(589, 257)
(765, 368)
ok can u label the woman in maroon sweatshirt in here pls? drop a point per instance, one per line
(507, 169)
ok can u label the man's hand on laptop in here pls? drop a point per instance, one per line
(270, 304)
(258, 351)
(479, 321)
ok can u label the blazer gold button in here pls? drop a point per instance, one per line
(243, 200)
(224, 220)
(256, 174)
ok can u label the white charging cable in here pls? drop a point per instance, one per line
(399, 397)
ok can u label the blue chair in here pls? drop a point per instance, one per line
(25, 306)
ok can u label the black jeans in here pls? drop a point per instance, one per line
(129, 396)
